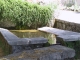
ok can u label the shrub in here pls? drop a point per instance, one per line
(25, 14)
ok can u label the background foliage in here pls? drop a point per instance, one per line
(25, 14)
(76, 46)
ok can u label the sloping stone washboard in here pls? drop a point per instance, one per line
(65, 35)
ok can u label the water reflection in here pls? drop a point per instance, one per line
(34, 33)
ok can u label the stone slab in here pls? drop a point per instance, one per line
(70, 37)
(38, 40)
(64, 34)
(14, 40)
(55, 52)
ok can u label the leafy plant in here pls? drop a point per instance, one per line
(25, 14)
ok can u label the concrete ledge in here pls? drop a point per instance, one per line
(55, 52)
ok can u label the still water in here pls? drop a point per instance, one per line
(35, 33)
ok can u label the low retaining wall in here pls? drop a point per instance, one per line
(67, 25)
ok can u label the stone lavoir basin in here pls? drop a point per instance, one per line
(50, 50)
(26, 34)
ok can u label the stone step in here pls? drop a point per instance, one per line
(63, 34)
(55, 52)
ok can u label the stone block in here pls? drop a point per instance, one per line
(55, 52)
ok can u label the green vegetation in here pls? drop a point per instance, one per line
(76, 46)
(25, 14)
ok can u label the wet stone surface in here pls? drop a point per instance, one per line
(55, 52)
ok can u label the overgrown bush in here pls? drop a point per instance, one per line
(25, 14)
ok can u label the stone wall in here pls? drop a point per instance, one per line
(7, 24)
(67, 25)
